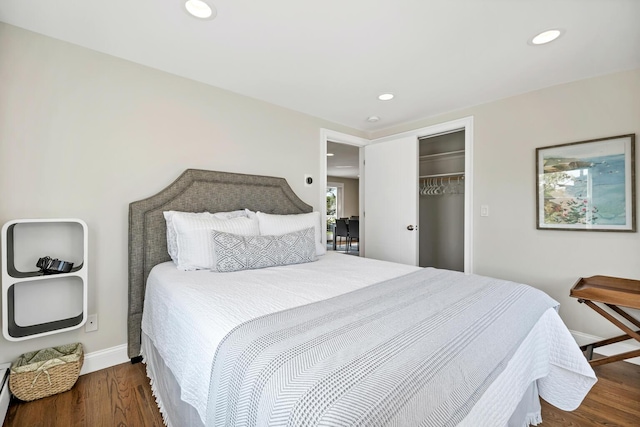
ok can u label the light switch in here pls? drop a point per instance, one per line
(484, 210)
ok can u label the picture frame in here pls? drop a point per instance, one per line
(587, 185)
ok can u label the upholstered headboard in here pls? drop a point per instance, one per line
(193, 191)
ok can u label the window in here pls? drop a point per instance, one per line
(335, 196)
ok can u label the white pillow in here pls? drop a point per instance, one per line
(193, 237)
(276, 225)
(172, 244)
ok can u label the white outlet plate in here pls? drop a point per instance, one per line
(92, 323)
(484, 210)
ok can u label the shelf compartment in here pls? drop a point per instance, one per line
(36, 304)
(18, 332)
(61, 239)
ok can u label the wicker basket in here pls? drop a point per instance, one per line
(45, 372)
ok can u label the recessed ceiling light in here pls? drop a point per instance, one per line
(546, 37)
(385, 97)
(202, 9)
(330, 154)
(373, 119)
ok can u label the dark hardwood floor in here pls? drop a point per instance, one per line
(120, 396)
(117, 396)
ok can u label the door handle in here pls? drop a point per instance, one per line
(411, 227)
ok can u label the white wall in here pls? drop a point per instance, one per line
(83, 134)
(506, 133)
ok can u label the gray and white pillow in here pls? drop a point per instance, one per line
(235, 252)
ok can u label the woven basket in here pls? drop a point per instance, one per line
(45, 372)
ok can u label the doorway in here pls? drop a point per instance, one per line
(337, 140)
(343, 192)
(441, 206)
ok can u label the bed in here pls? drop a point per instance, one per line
(339, 340)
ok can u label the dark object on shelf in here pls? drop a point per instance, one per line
(46, 372)
(611, 292)
(53, 266)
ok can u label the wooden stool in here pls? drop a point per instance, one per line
(612, 292)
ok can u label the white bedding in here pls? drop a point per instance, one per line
(187, 339)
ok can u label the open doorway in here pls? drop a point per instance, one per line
(329, 137)
(442, 200)
(343, 197)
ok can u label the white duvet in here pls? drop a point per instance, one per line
(186, 315)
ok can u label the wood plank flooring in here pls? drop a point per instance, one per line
(117, 396)
(613, 401)
(121, 396)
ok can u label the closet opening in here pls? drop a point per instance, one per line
(442, 200)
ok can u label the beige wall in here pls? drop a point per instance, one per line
(507, 243)
(351, 197)
(109, 132)
(83, 134)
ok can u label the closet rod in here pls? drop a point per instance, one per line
(438, 175)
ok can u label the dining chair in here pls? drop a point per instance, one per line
(354, 232)
(342, 230)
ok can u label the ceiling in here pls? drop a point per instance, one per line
(345, 160)
(332, 58)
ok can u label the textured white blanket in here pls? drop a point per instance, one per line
(188, 313)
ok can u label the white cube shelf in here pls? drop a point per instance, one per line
(36, 304)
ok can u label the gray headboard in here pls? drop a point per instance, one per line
(193, 191)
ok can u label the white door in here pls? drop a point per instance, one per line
(391, 200)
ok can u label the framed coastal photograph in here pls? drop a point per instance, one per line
(587, 185)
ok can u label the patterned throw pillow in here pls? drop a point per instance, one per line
(234, 252)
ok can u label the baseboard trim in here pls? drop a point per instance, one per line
(101, 359)
(608, 350)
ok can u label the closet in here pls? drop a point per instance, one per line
(441, 200)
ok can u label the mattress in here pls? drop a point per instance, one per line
(187, 314)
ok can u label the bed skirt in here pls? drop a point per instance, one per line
(175, 412)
